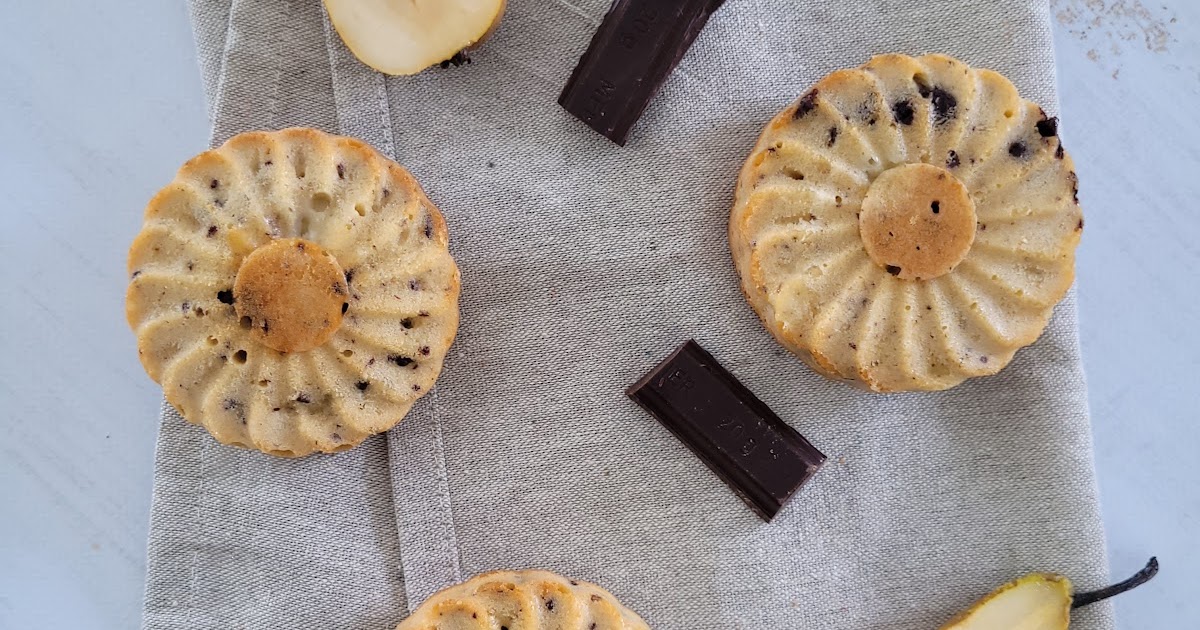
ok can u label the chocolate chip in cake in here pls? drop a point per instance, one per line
(944, 105)
(1048, 128)
(406, 323)
(833, 134)
(952, 160)
(893, 269)
(903, 112)
(214, 184)
(362, 385)
(400, 360)
(806, 104)
(226, 296)
(345, 307)
(1017, 149)
(212, 231)
(341, 171)
(303, 398)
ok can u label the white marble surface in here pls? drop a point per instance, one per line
(102, 101)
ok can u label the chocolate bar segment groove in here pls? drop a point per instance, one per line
(749, 447)
(631, 55)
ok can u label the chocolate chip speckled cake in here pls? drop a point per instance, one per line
(523, 600)
(292, 292)
(908, 224)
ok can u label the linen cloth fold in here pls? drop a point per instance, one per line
(583, 264)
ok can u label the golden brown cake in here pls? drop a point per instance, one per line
(292, 292)
(908, 224)
(523, 600)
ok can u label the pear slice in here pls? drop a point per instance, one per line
(407, 36)
(1041, 601)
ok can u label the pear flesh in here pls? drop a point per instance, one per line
(404, 37)
(1041, 601)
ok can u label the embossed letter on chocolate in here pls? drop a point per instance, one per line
(761, 458)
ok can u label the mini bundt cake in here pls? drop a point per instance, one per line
(292, 292)
(908, 224)
(523, 600)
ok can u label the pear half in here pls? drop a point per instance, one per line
(406, 36)
(1040, 601)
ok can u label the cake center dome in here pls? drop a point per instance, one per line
(291, 294)
(917, 221)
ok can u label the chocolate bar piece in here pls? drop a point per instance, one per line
(763, 459)
(633, 52)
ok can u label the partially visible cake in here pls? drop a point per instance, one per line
(523, 600)
(908, 224)
(292, 292)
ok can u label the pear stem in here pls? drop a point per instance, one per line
(1141, 577)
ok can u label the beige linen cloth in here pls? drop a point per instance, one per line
(583, 264)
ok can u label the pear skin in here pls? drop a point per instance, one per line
(1039, 601)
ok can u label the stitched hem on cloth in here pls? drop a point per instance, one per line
(424, 511)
